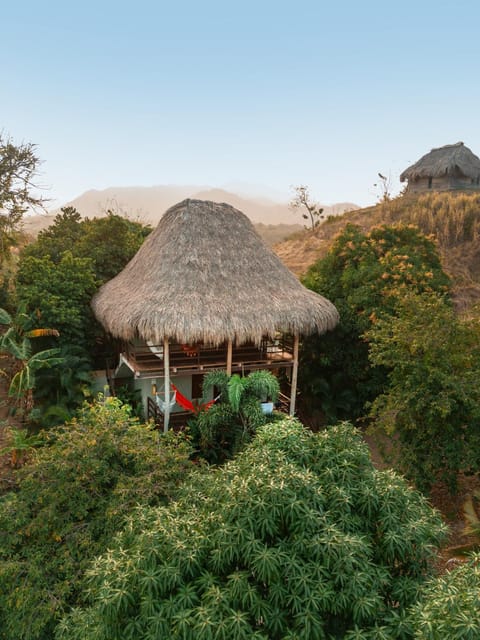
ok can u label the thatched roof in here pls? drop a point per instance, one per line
(205, 274)
(450, 160)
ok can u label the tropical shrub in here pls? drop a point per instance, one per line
(25, 364)
(297, 537)
(70, 499)
(450, 605)
(219, 432)
(432, 401)
(364, 275)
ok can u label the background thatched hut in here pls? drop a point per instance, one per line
(204, 283)
(453, 166)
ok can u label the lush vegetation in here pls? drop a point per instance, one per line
(365, 275)
(70, 499)
(298, 537)
(230, 423)
(56, 277)
(432, 400)
(450, 605)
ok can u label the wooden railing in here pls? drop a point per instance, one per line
(178, 419)
(201, 357)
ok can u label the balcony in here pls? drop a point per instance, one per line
(147, 359)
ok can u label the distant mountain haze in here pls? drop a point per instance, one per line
(150, 203)
(274, 221)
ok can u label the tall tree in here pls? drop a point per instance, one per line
(18, 169)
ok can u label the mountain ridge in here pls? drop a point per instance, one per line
(150, 203)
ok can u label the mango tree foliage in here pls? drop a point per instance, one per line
(432, 401)
(364, 275)
(297, 537)
(68, 502)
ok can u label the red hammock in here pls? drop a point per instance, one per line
(188, 404)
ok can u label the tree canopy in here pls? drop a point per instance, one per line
(68, 501)
(109, 241)
(364, 274)
(297, 537)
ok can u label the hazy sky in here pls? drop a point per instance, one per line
(267, 93)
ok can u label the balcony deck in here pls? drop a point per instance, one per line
(191, 359)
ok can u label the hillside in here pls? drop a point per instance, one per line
(148, 204)
(453, 219)
(274, 221)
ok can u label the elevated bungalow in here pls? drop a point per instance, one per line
(202, 293)
(450, 167)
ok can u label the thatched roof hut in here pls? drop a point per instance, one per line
(205, 275)
(453, 166)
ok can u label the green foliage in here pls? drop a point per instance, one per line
(61, 390)
(16, 343)
(364, 275)
(57, 278)
(60, 295)
(432, 402)
(226, 426)
(298, 537)
(70, 499)
(450, 606)
(20, 443)
(109, 242)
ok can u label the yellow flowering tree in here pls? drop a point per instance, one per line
(365, 275)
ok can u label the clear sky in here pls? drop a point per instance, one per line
(269, 93)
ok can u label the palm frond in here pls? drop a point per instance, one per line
(263, 385)
(236, 389)
(218, 379)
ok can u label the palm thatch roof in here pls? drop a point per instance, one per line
(205, 274)
(450, 160)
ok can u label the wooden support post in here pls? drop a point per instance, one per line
(294, 374)
(166, 380)
(229, 357)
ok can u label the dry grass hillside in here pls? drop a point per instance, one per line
(453, 219)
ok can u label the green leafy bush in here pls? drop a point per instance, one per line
(450, 605)
(297, 537)
(364, 275)
(70, 499)
(432, 401)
